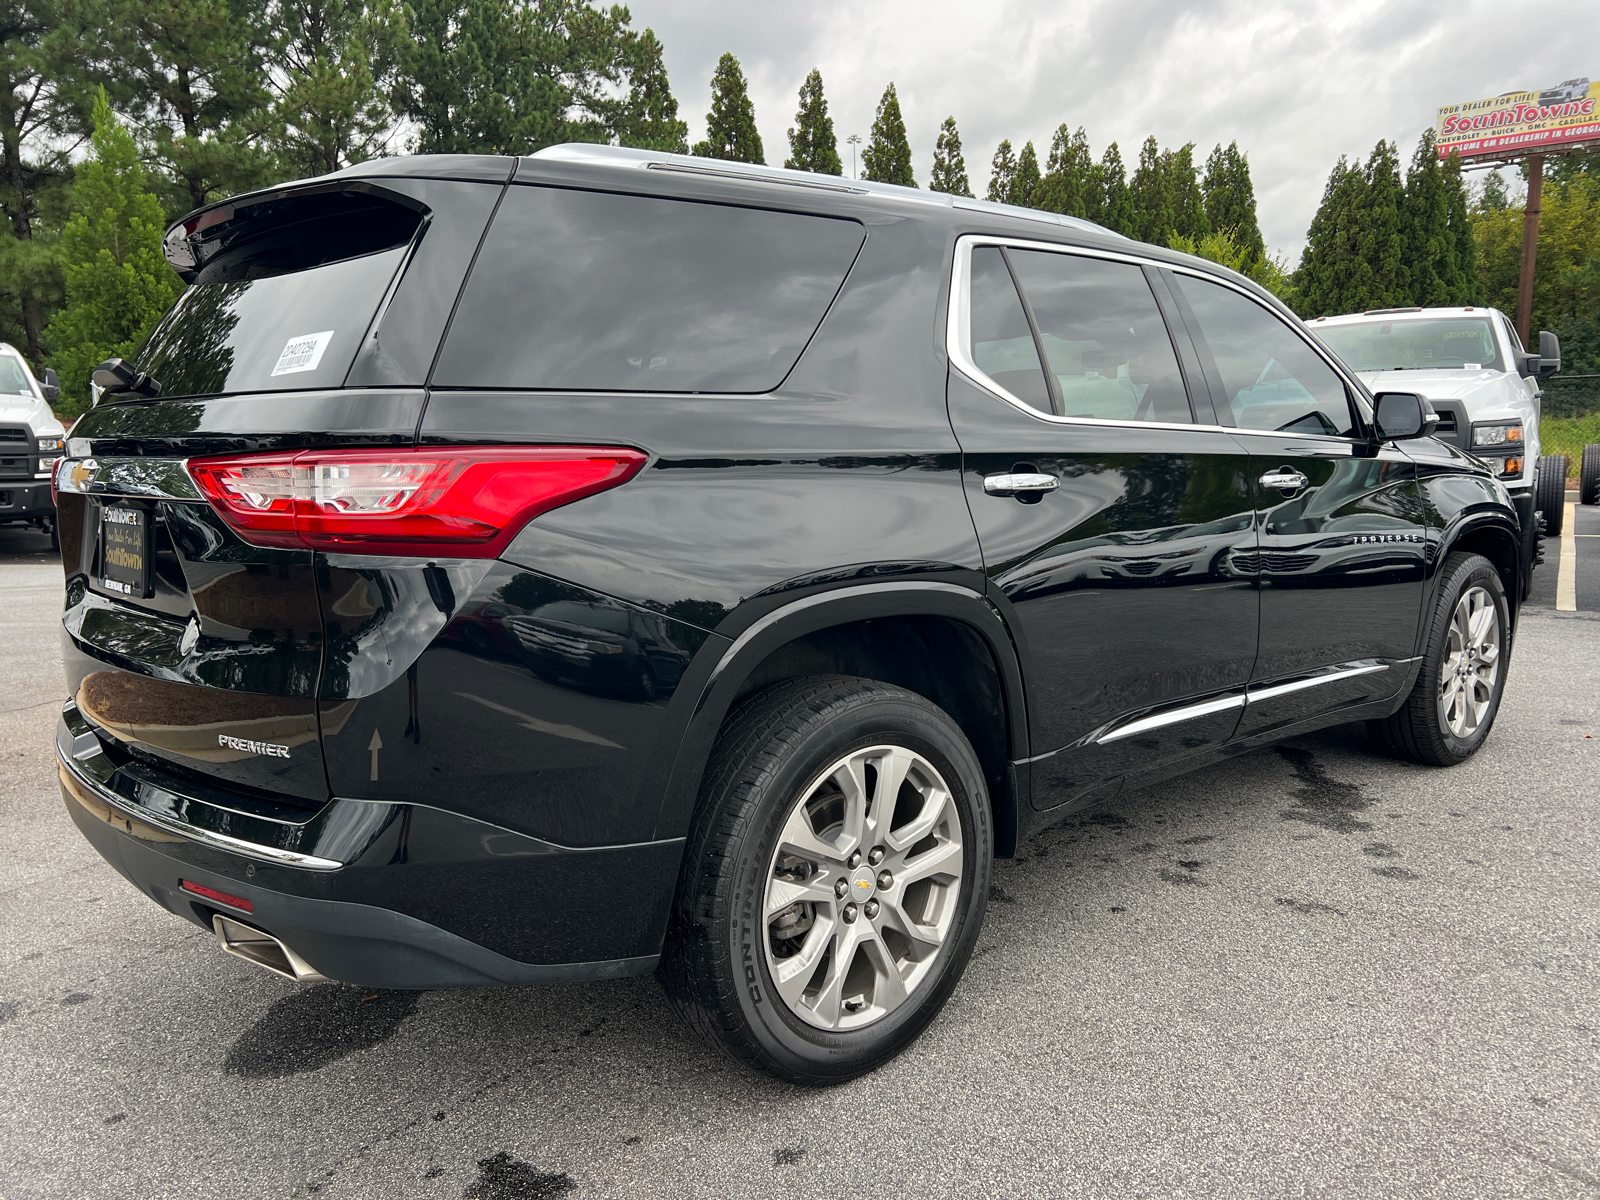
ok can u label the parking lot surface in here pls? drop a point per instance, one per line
(1313, 971)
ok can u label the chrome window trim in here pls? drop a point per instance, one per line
(958, 333)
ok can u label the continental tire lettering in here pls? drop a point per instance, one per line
(747, 951)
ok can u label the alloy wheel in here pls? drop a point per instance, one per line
(1471, 663)
(862, 888)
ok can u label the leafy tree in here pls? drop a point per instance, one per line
(1230, 199)
(1002, 173)
(510, 77)
(1111, 201)
(194, 74)
(887, 158)
(812, 144)
(1027, 180)
(1154, 216)
(338, 60)
(649, 119)
(1220, 246)
(1069, 180)
(1184, 192)
(731, 124)
(949, 167)
(117, 281)
(43, 107)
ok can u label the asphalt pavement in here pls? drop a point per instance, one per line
(1311, 972)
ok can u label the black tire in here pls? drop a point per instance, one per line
(1550, 493)
(771, 750)
(1418, 731)
(1589, 475)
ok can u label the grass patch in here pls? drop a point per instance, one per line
(1568, 435)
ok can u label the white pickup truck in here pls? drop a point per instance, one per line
(1470, 365)
(30, 442)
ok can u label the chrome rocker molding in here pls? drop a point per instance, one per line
(89, 768)
(1250, 696)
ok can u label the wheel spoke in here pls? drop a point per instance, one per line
(830, 999)
(925, 940)
(851, 776)
(889, 990)
(792, 975)
(943, 859)
(798, 838)
(818, 889)
(892, 764)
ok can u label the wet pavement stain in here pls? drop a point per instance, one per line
(308, 1030)
(505, 1178)
(1181, 878)
(76, 998)
(8, 1012)
(1197, 841)
(1320, 799)
(1307, 907)
(114, 1118)
(1396, 873)
(788, 1156)
(998, 894)
(1380, 850)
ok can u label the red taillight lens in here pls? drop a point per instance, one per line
(200, 889)
(456, 503)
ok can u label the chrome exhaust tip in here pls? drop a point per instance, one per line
(259, 947)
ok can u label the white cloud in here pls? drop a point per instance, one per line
(1295, 85)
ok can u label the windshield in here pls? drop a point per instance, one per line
(13, 379)
(1459, 343)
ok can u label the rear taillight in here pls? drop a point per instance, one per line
(457, 503)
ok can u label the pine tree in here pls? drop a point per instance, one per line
(949, 167)
(887, 158)
(1186, 197)
(1380, 233)
(1112, 199)
(195, 74)
(1027, 181)
(1230, 199)
(118, 282)
(650, 116)
(1154, 214)
(1494, 197)
(731, 132)
(1069, 178)
(1433, 277)
(1464, 286)
(499, 77)
(812, 144)
(338, 59)
(1002, 174)
(1333, 277)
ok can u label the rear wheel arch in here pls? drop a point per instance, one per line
(941, 641)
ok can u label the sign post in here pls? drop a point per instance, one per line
(1523, 127)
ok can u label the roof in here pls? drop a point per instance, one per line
(1403, 314)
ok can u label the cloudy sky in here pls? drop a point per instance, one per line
(1296, 85)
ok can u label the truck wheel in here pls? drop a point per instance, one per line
(1453, 704)
(1550, 496)
(1589, 475)
(834, 880)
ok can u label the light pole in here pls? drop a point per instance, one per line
(854, 140)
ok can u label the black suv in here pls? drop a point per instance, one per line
(505, 571)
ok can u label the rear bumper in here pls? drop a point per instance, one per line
(418, 898)
(23, 500)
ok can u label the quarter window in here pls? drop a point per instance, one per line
(1107, 346)
(1002, 341)
(1271, 378)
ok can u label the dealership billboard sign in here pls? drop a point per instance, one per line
(1520, 123)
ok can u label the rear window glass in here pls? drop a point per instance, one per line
(281, 294)
(587, 291)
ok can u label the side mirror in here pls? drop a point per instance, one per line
(1527, 364)
(50, 386)
(1402, 415)
(1549, 354)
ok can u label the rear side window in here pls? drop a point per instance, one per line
(1002, 341)
(588, 291)
(1103, 334)
(1271, 377)
(281, 294)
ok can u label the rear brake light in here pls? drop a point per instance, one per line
(200, 889)
(457, 502)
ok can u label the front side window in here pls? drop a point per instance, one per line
(1448, 343)
(1108, 348)
(1270, 377)
(590, 291)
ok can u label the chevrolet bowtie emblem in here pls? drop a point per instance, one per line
(863, 885)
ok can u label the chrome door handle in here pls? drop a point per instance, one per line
(1022, 484)
(1284, 481)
